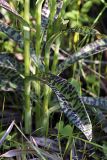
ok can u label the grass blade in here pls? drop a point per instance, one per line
(6, 133)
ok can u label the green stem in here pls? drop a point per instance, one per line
(55, 58)
(45, 113)
(28, 120)
(52, 6)
(38, 27)
(45, 119)
(38, 53)
(47, 91)
(99, 15)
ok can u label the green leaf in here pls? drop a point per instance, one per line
(88, 50)
(82, 30)
(76, 84)
(95, 102)
(86, 7)
(17, 37)
(67, 131)
(10, 73)
(91, 79)
(6, 6)
(12, 33)
(64, 130)
(60, 126)
(70, 102)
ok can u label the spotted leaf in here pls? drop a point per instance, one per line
(86, 51)
(70, 102)
(10, 9)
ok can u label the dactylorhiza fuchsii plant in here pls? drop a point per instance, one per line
(35, 70)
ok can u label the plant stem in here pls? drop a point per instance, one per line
(38, 28)
(28, 120)
(55, 58)
(45, 120)
(47, 91)
(38, 53)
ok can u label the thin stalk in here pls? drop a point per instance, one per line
(38, 53)
(99, 15)
(54, 66)
(47, 91)
(38, 150)
(38, 27)
(28, 120)
(55, 58)
(99, 71)
(53, 10)
(45, 120)
(52, 5)
(94, 23)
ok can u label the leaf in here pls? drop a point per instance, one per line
(46, 13)
(86, 7)
(11, 62)
(76, 84)
(60, 125)
(6, 6)
(10, 73)
(91, 79)
(69, 101)
(82, 30)
(64, 130)
(16, 152)
(12, 33)
(46, 143)
(12, 153)
(101, 118)
(6, 133)
(100, 105)
(99, 102)
(10, 80)
(86, 51)
(58, 8)
(17, 37)
(67, 131)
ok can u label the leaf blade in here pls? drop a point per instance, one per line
(69, 101)
(86, 51)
